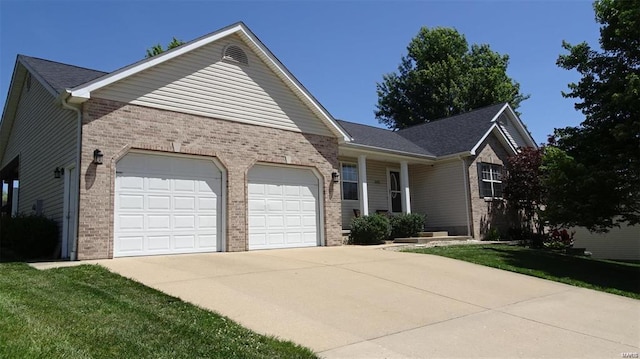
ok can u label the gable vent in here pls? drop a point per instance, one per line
(235, 54)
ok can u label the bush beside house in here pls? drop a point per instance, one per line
(28, 237)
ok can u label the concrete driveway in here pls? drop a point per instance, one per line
(366, 302)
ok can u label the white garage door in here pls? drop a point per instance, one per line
(283, 207)
(166, 205)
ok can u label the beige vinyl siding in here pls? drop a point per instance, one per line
(620, 243)
(439, 192)
(44, 135)
(201, 83)
(376, 189)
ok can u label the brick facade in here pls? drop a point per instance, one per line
(115, 128)
(486, 214)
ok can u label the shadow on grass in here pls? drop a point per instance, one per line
(604, 274)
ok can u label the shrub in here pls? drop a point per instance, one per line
(407, 225)
(29, 236)
(373, 229)
(492, 235)
(559, 239)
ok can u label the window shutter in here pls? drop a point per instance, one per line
(480, 186)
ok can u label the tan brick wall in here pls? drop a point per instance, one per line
(486, 214)
(115, 128)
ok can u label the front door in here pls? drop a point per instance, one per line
(395, 192)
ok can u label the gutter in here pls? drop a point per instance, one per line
(73, 255)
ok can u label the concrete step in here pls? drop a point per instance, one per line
(424, 240)
(433, 234)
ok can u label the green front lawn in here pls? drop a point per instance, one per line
(607, 276)
(88, 312)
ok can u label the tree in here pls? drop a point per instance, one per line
(157, 49)
(524, 190)
(441, 77)
(600, 165)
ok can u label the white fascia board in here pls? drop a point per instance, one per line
(495, 118)
(84, 90)
(493, 128)
(383, 151)
(521, 127)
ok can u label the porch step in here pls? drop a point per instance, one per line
(424, 240)
(346, 232)
(434, 234)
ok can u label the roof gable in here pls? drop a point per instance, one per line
(463, 133)
(252, 44)
(56, 76)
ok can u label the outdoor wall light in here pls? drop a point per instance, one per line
(335, 177)
(97, 156)
(58, 172)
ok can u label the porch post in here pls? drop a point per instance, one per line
(404, 184)
(362, 185)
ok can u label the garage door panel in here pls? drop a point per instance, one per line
(207, 241)
(157, 222)
(131, 243)
(185, 241)
(283, 207)
(131, 202)
(158, 184)
(131, 222)
(184, 185)
(163, 208)
(132, 183)
(159, 202)
(207, 204)
(158, 243)
(184, 203)
(206, 222)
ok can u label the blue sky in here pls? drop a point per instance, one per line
(339, 50)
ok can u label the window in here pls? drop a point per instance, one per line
(349, 181)
(490, 180)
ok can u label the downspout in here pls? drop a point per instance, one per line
(74, 245)
(467, 199)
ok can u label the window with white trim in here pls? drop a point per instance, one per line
(349, 179)
(490, 176)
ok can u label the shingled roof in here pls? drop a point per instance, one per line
(442, 137)
(381, 138)
(60, 76)
(454, 134)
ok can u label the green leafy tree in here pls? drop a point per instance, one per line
(442, 76)
(596, 183)
(157, 49)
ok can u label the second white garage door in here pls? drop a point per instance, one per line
(166, 205)
(283, 207)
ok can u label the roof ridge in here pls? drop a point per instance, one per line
(60, 63)
(499, 104)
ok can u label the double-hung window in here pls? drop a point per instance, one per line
(490, 180)
(349, 181)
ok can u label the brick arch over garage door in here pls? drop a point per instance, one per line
(284, 207)
(166, 204)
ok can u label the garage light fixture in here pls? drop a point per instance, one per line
(97, 156)
(58, 172)
(335, 177)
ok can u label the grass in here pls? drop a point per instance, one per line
(88, 312)
(608, 276)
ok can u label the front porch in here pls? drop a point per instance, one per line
(374, 184)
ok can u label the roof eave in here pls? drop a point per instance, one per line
(358, 146)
